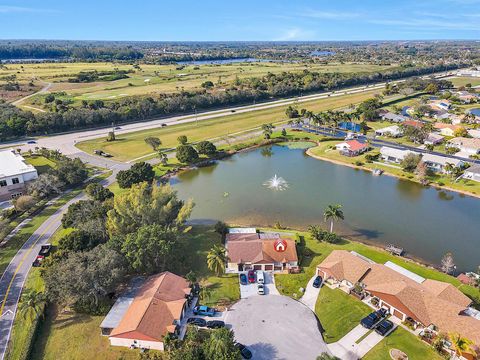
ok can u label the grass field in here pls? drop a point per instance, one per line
(132, 145)
(42, 164)
(338, 313)
(155, 78)
(402, 340)
(462, 81)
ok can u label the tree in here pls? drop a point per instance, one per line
(44, 186)
(460, 132)
(79, 240)
(221, 345)
(207, 84)
(291, 112)
(71, 172)
(316, 232)
(326, 356)
(186, 154)
(153, 142)
(410, 162)
(138, 173)
(432, 88)
(217, 259)
(81, 211)
(23, 203)
(206, 148)
(221, 228)
(97, 192)
(448, 265)
(163, 158)
(182, 139)
(32, 304)
(149, 248)
(111, 136)
(146, 204)
(85, 277)
(422, 172)
(191, 277)
(267, 130)
(284, 132)
(334, 213)
(461, 345)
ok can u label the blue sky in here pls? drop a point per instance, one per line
(219, 20)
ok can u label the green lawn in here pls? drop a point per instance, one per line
(42, 164)
(402, 340)
(338, 313)
(462, 81)
(132, 145)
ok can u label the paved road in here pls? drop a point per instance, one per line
(13, 279)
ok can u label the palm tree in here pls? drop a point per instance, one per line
(32, 304)
(217, 259)
(460, 344)
(333, 212)
(163, 158)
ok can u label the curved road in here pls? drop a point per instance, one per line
(13, 279)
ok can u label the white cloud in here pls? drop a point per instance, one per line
(334, 15)
(6, 9)
(296, 34)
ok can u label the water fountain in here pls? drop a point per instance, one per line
(276, 183)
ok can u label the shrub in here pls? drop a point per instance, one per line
(206, 148)
(186, 154)
(23, 203)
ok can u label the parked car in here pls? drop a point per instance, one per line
(38, 261)
(244, 351)
(197, 321)
(45, 250)
(31, 142)
(163, 125)
(260, 277)
(261, 289)
(243, 279)
(384, 327)
(98, 152)
(251, 276)
(215, 324)
(203, 310)
(117, 128)
(317, 282)
(372, 319)
(104, 154)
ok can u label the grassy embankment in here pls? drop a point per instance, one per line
(132, 145)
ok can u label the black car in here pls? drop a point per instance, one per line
(243, 279)
(384, 327)
(244, 351)
(215, 324)
(317, 282)
(372, 319)
(45, 250)
(197, 321)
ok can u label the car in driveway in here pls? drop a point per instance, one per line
(251, 276)
(317, 282)
(371, 320)
(384, 327)
(243, 279)
(215, 324)
(261, 289)
(244, 351)
(260, 277)
(203, 310)
(197, 321)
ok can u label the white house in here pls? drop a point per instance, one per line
(474, 133)
(14, 174)
(470, 146)
(391, 131)
(389, 116)
(437, 163)
(393, 155)
(433, 139)
(472, 173)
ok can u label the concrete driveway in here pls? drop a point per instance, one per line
(276, 327)
(310, 295)
(251, 289)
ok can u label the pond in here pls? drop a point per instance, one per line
(350, 126)
(425, 221)
(475, 111)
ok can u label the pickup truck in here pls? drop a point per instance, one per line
(371, 320)
(203, 310)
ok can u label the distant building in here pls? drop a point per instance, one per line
(391, 131)
(469, 72)
(474, 133)
(389, 116)
(468, 146)
(472, 173)
(433, 139)
(352, 148)
(393, 155)
(447, 129)
(15, 173)
(440, 104)
(414, 123)
(437, 163)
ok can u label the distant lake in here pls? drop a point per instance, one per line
(475, 111)
(379, 209)
(322, 53)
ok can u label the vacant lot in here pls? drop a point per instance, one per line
(464, 80)
(132, 145)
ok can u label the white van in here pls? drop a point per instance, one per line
(260, 277)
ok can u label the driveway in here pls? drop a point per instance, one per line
(251, 289)
(310, 295)
(276, 327)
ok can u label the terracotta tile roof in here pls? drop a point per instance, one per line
(355, 145)
(438, 125)
(429, 302)
(155, 308)
(344, 265)
(414, 123)
(260, 251)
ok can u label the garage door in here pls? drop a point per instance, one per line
(268, 267)
(398, 314)
(257, 267)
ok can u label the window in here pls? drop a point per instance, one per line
(15, 181)
(3, 183)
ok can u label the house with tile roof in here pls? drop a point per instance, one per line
(447, 129)
(260, 251)
(428, 303)
(157, 309)
(352, 148)
(470, 146)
